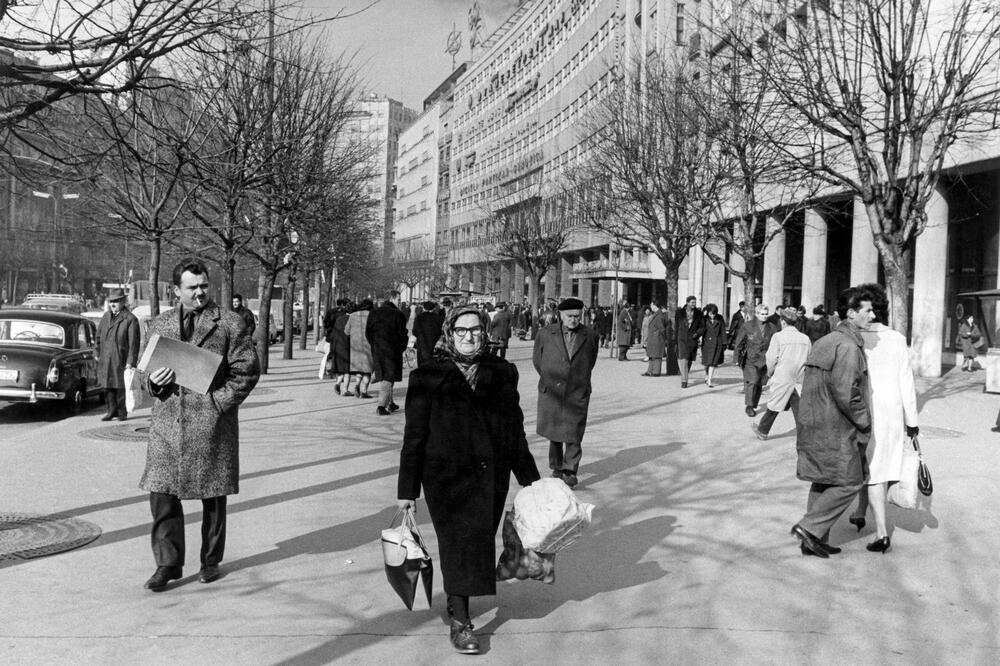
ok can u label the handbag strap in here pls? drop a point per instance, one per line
(916, 447)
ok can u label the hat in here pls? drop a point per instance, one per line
(571, 304)
(116, 295)
(788, 314)
(429, 305)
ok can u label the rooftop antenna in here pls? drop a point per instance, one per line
(454, 44)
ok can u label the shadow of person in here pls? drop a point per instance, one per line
(603, 469)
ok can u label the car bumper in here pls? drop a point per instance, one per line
(30, 395)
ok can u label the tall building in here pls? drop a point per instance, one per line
(380, 120)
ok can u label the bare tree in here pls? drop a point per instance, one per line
(888, 88)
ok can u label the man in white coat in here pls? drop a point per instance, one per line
(786, 358)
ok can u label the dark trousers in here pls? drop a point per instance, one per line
(767, 420)
(622, 353)
(655, 367)
(753, 380)
(114, 401)
(168, 530)
(825, 505)
(568, 461)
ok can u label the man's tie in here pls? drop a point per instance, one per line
(188, 329)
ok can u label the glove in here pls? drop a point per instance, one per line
(912, 431)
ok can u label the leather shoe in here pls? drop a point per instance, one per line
(569, 478)
(995, 429)
(810, 542)
(107, 417)
(393, 407)
(209, 573)
(750, 411)
(163, 575)
(761, 435)
(382, 411)
(462, 638)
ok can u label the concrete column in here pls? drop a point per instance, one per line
(864, 254)
(466, 281)
(930, 268)
(506, 282)
(696, 267)
(585, 289)
(566, 276)
(736, 284)
(604, 296)
(518, 294)
(774, 266)
(477, 278)
(713, 288)
(814, 260)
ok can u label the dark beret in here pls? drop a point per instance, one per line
(571, 304)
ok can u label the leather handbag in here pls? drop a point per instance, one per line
(924, 483)
(406, 559)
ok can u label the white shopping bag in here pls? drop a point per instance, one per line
(135, 397)
(548, 517)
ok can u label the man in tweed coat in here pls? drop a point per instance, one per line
(193, 450)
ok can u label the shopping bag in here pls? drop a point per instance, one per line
(406, 558)
(548, 517)
(410, 358)
(135, 397)
(924, 483)
(904, 493)
(522, 563)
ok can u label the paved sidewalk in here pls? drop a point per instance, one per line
(688, 561)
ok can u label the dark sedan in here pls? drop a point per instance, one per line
(47, 356)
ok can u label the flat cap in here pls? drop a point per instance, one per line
(571, 304)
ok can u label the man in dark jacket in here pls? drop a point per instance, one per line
(387, 335)
(690, 326)
(500, 329)
(623, 330)
(740, 316)
(564, 356)
(245, 313)
(117, 351)
(427, 330)
(834, 423)
(751, 350)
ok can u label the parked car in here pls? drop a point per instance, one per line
(57, 302)
(47, 356)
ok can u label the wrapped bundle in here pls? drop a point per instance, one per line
(548, 517)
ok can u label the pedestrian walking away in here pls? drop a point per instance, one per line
(386, 333)
(193, 449)
(818, 325)
(689, 326)
(244, 312)
(361, 351)
(785, 358)
(751, 355)
(656, 336)
(564, 356)
(117, 351)
(427, 331)
(834, 424)
(500, 329)
(464, 436)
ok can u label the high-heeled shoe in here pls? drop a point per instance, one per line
(857, 521)
(879, 545)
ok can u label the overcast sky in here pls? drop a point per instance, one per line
(400, 43)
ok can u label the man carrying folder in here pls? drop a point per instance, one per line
(193, 450)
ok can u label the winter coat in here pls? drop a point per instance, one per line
(735, 322)
(752, 342)
(361, 351)
(657, 334)
(816, 328)
(563, 382)
(892, 398)
(786, 357)
(117, 346)
(340, 342)
(969, 337)
(461, 445)
(688, 335)
(193, 450)
(500, 327)
(713, 342)
(247, 316)
(623, 328)
(834, 420)
(386, 333)
(427, 331)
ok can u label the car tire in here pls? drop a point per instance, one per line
(75, 398)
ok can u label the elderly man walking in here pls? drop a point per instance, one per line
(786, 359)
(386, 333)
(751, 355)
(193, 450)
(834, 423)
(564, 356)
(117, 351)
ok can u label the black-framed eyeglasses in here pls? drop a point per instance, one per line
(461, 331)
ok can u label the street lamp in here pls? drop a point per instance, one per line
(58, 269)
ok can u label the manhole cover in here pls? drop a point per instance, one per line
(933, 432)
(26, 535)
(125, 432)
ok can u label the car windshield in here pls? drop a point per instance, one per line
(23, 330)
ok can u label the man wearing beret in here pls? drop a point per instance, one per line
(564, 356)
(117, 351)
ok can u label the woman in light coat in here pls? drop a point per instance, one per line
(361, 351)
(893, 402)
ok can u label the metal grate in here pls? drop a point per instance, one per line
(26, 535)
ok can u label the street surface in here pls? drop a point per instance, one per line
(688, 561)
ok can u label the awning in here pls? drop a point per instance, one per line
(988, 293)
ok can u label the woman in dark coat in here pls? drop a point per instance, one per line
(968, 338)
(657, 334)
(340, 347)
(713, 342)
(464, 436)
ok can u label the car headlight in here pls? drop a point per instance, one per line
(52, 377)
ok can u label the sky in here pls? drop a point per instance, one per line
(400, 43)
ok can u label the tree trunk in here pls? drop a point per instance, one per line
(226, 289)
(264, 284)
(289, 314)
(154, 276)
(670, 280)
(898, 287)
(750, 287)
(534, 285)
(304, 324)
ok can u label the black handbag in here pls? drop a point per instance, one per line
(924, 483)
(406, 559)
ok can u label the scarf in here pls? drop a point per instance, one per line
(445, 349)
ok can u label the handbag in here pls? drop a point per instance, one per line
(904, 493)
(924, 483)
(406, 558)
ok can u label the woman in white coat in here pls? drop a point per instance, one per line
(893, 404)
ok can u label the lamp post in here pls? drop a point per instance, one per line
(56, 265)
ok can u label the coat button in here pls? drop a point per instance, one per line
(482, 465)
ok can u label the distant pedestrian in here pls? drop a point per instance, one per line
(500, 329)
(657, 336)
(117, 351)
(969, 338)
(751, 349)
(244, 312)
(427, 331)
(834, 423)
(689, 326)
(623, 330)
(334, 324)
(800, 319)
(361, 351)
(741, 315)
(644, 323)
(193, 449)
(713, 345)
(464, 436)
(818, 325)
(386, 333)
(786, 357)
(564, 356)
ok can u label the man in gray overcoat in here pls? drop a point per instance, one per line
(193, 450)
(564, 356)
(834, 423)
(117, 351)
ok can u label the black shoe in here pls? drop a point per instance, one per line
(462, 638)
(750, 411)
(366, 396)
(995, 429)
(879, 545)
(557, 474)
(120, 418)
(684, 384)
(646, 374)
(810, 543)
(393, 407)
(382, 411)
(209, 573)
(163, 575)
(569, 478)
(336, 389)
(107, 417)
(857, 521)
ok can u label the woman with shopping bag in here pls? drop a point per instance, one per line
(464, 436)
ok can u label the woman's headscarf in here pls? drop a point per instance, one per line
(445, 348)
